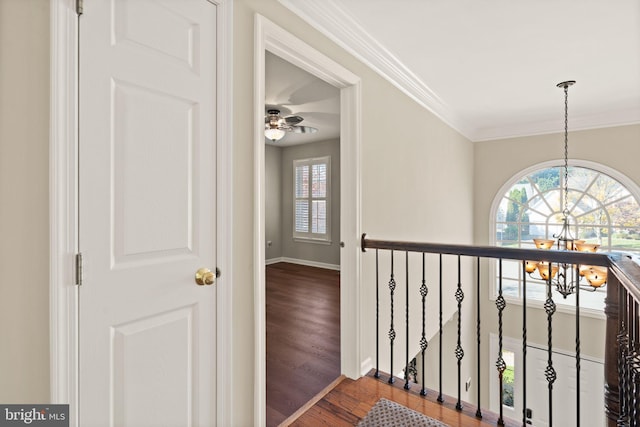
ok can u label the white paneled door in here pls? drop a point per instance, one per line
(147, 203)
(564, 403)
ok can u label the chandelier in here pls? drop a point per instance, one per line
(563, 276)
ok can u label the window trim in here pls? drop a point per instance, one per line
(630, 185)
(310, 237)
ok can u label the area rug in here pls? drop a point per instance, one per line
(386, 413)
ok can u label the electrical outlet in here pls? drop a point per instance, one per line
(467, 385)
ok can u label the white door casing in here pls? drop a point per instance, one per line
(147, 212)
(271, 37)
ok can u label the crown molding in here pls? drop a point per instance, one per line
(330, 19)
(333, 21)
(579, 123)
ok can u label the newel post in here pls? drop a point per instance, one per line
(611, 379)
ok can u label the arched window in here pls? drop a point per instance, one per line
(602, 210)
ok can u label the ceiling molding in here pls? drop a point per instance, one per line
(332, 19)
(584, 122)
(334, 22)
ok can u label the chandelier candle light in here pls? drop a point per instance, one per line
(595, 276)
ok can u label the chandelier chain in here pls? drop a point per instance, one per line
(565, 211)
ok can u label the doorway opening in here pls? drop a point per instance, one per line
(274, 40)
(302, 233)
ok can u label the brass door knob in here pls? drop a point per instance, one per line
(204, 276)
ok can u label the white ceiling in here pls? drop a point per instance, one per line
(489, 68)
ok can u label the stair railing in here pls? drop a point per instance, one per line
(622, 355)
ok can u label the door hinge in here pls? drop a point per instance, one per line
(79, 269)
(79, 7)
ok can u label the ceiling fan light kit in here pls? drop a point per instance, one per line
(274, 134)
(276, 126)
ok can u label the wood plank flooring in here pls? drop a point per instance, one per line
(350, 401)
(303, 336)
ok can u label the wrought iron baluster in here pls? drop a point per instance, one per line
(423, 340)
(578, 357)
(550, 372)
(459, 351)
(500, 363)
(377, 374)
(623, 346)
(634, 364)
(392, 332)
(524, 343)
(478, 384)
(406, 321)
(440, 398)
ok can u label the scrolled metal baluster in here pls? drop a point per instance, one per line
(406, 369)
(634, 366)
(500, 363)
(392, 332)
(550, 372)
(459, 352)
(623, 346)
(423, 339)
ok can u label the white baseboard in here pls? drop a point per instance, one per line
(303, 262)
(365, 366)
(273, 261)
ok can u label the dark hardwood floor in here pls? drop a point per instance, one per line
(303, 336)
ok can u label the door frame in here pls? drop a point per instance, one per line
(273, 38)
(63, 210)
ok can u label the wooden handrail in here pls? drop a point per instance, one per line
(567, 257)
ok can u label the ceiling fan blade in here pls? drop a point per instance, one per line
(293, 120)
(302, 129)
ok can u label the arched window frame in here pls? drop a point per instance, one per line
(628, 183)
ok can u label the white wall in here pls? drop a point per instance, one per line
(496, 162)
(24, 192)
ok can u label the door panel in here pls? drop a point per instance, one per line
(144, 204)
(147, 212)
(564, 390)
(137, 370)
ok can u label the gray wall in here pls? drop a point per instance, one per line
(328, 254)
(279, 203)
(273, 201)
(24, 201)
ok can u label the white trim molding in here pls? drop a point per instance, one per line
(306, 262)
(332, 20)
(270, 37)
(63, 210)
(224, 216)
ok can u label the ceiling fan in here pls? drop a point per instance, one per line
(276, 126)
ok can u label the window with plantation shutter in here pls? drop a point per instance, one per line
(311, 189)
